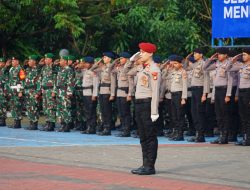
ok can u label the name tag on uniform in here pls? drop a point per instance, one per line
(144, 81)
(222, 72)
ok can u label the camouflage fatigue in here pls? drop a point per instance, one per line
(3, 102)
(32, 88)
(79, 111)
(64, 89)
(13, 90)
(48, 82)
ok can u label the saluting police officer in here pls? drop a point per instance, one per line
(222, 98)
(199, 87)
(244, 93)
(124, 92)
(106, 92)
(90, 84)
(146, 108)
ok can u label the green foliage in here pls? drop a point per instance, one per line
(91, 27)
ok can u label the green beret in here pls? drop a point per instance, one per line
(2, 59)
(49, 55)
(71, 57)
(97, 59)
(64, 57)
(33, 57)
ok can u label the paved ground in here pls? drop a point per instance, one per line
(40, 160)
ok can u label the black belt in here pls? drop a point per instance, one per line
(87, 87)
(196, 87)
(176, 93)
(139, 101)
(221, 87)
(30, 87)
(47, 87)
(123, 89)
(105, 85)
(244, 89)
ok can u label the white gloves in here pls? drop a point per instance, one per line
(135, 57)
(154, 117)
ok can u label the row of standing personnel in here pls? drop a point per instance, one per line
(202, 83)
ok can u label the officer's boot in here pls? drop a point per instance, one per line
(17, 124)
(224, 137)
(71, 125)
(35, 125)
(200, 137)
(218, 140)
(2, 122)
(45, 127)
(179, 136)
(125, 132)
(232, 136)
(64, 127)
(30, 126)
(49, 127)
(173, 135)
(246, 139)
(106, 131)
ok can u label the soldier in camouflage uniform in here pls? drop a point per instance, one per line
(3, 102)
(15, 91)
(71, 60)
(48, 75)
(79, 106)
(32, 89)
(64, 90)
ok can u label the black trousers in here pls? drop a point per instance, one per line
(210, 116)
(223, 111)
(189, 114)
(123, 107)
(198, 109)
(167, 105)
(235, 124)
(90, 111)
(160, 121)
(244, 110)
(147, 133)
(106, 110)
(177, 112)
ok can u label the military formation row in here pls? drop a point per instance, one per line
(210, 93)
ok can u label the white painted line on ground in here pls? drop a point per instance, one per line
(39, 141)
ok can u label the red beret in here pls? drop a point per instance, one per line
(147, 47)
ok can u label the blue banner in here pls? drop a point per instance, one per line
(231, 18)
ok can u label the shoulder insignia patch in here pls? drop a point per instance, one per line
(155, 75)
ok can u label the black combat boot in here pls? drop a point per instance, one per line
(33, 125)
(17, 124)
(64, 128)
(49, 127)
(2, 122)
(105, 132)
(199, 138)
(30, 126)
(45, 127)
(179, 136)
